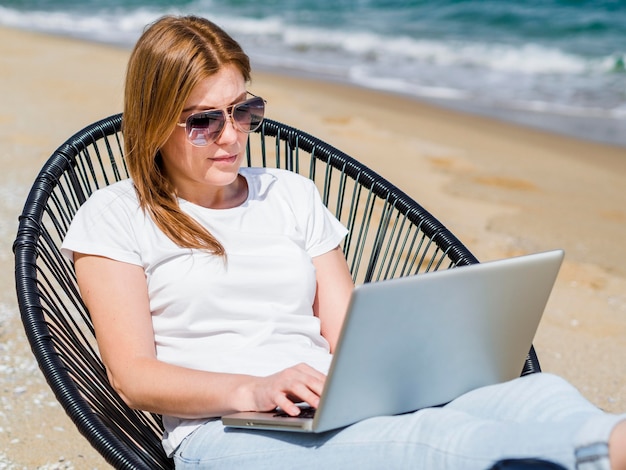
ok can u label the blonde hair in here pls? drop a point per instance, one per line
(170, 58)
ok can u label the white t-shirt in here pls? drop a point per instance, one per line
(248, 313)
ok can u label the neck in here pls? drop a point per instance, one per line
(224, 197)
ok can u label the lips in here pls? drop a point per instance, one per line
(227, 159)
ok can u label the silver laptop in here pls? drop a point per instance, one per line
(424, 340)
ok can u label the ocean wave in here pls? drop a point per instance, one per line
(524, 58)
(124, 26)
(105, 26)
(513, 75)
(567, 110)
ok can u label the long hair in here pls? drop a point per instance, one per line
(170, 58)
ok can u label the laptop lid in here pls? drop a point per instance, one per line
(424, 340)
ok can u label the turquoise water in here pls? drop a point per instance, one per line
(556, 65)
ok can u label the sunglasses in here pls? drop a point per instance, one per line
(205, 127)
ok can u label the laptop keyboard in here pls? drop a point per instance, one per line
(305, 412)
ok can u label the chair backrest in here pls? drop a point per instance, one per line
(391, 235)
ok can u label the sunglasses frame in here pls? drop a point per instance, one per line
(227, 114)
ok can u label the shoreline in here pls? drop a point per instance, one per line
(510, 116)
(607, 130)
(502, 189)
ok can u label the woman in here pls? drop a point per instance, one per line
(215, 288)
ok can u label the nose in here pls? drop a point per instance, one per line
(229, 133)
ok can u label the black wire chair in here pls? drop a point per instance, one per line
(390, 236)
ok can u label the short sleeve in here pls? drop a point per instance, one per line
(106, 225)
(323, 232)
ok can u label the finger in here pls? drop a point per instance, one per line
(304, 392)
(288, 406)
(312, 377)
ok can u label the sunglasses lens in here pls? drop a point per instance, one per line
(249, 115)
(204, 128)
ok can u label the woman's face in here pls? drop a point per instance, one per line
(200, 174)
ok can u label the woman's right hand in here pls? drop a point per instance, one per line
(300, 383)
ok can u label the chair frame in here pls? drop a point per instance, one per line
(391, 235)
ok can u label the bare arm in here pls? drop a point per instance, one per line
(116, 295)
(334, 287)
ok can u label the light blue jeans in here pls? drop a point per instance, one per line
(539, 415)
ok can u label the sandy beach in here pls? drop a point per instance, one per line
(503, 190)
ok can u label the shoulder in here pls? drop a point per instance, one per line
(124, 189)
(116, 197)
(110, 223)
